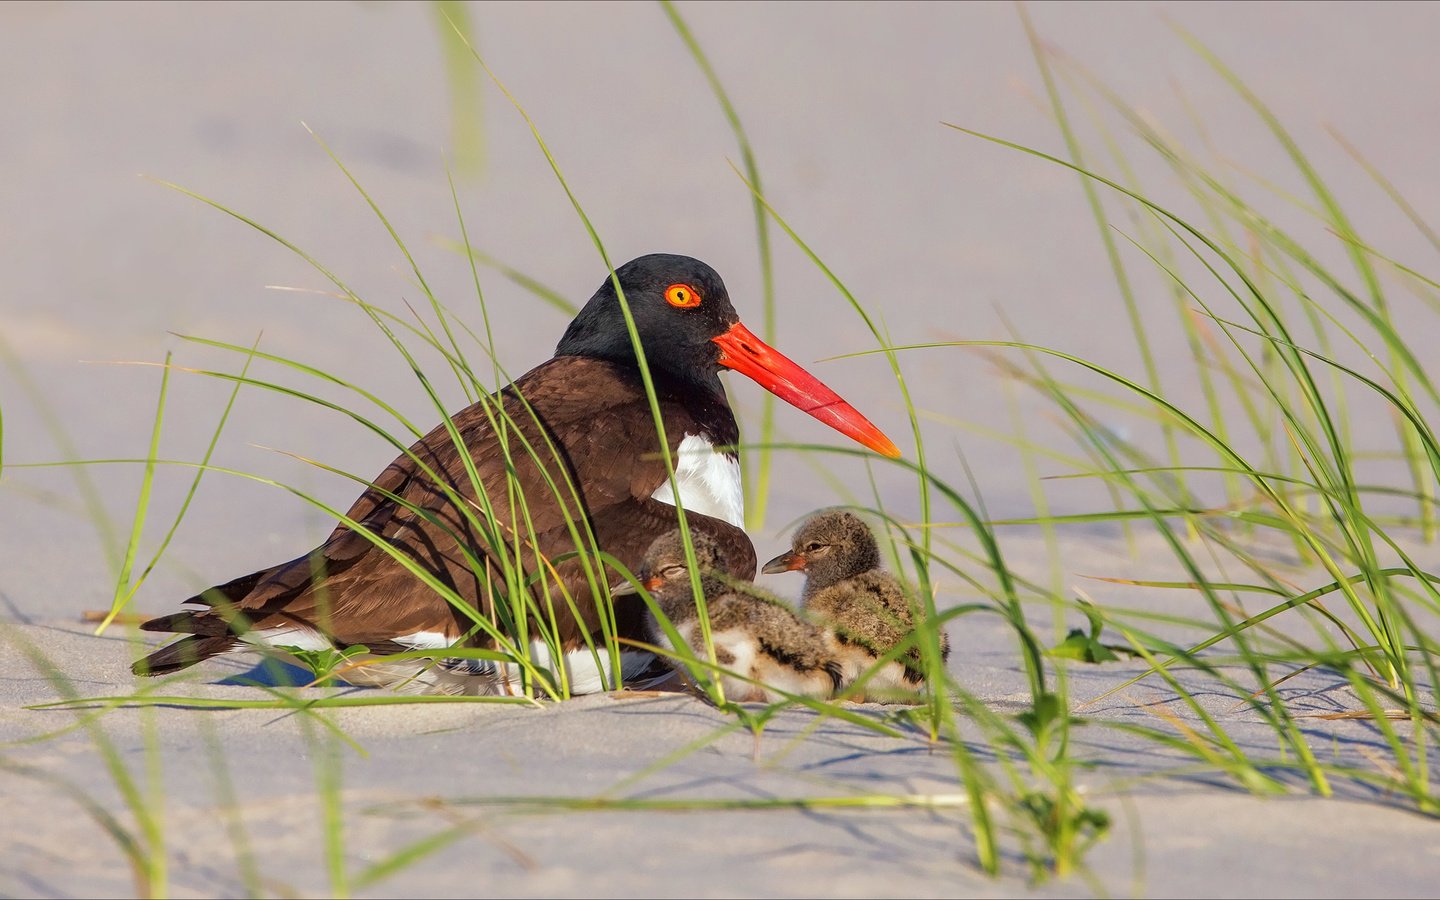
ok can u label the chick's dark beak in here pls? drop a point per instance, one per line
(789, 561)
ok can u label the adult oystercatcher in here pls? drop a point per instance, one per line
(763, 642)
(863, 607)
(497, 500)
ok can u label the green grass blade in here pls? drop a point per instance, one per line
(467, 119)
(758, 489)
(123, 589)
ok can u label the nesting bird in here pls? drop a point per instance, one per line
(421, 558)
(760, 639)
(862, 606)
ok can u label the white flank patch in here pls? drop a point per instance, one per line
(587, 678)
(291, 636)
(742, 646)
(489, 677)
(424, 640)
(473, 677)
(891, 678)
(709, 482)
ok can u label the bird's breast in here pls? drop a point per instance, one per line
(707, 480)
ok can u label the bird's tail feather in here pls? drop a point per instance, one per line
(183, 653)
(187, 622)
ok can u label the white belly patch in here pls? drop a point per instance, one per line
(584, 673)
(709, 482)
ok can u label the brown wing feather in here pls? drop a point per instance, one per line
(579, 425)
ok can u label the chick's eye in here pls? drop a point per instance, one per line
(815, 547)
(682, 295)
(674, 572)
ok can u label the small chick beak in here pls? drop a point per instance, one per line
(653, 583)
(789, 561)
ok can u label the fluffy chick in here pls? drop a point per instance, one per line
(754, 637)
(862, 606)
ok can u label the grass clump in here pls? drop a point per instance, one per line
(1268, 311)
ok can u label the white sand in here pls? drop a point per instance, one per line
(1196, 835)
(932, 229)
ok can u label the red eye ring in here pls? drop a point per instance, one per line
(682, 295)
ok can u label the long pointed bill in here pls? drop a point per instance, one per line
(745, 353)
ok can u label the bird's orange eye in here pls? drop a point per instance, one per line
(682, 295)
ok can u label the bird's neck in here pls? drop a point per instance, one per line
(699, 382)
(680, 605)
(818, 578)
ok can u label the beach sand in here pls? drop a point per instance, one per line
(944, 235)
(1175, 833)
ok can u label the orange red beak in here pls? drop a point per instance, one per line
(747, 354)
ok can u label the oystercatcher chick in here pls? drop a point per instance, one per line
(526, 491)
(755, 638)
(863, 608)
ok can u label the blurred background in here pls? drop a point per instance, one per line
(941, 235)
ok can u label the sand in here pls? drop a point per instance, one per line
(938, 232)
(1175, 834)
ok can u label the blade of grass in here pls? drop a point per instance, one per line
(758, 493)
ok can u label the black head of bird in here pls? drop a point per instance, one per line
(689, 329)
(828, 547)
